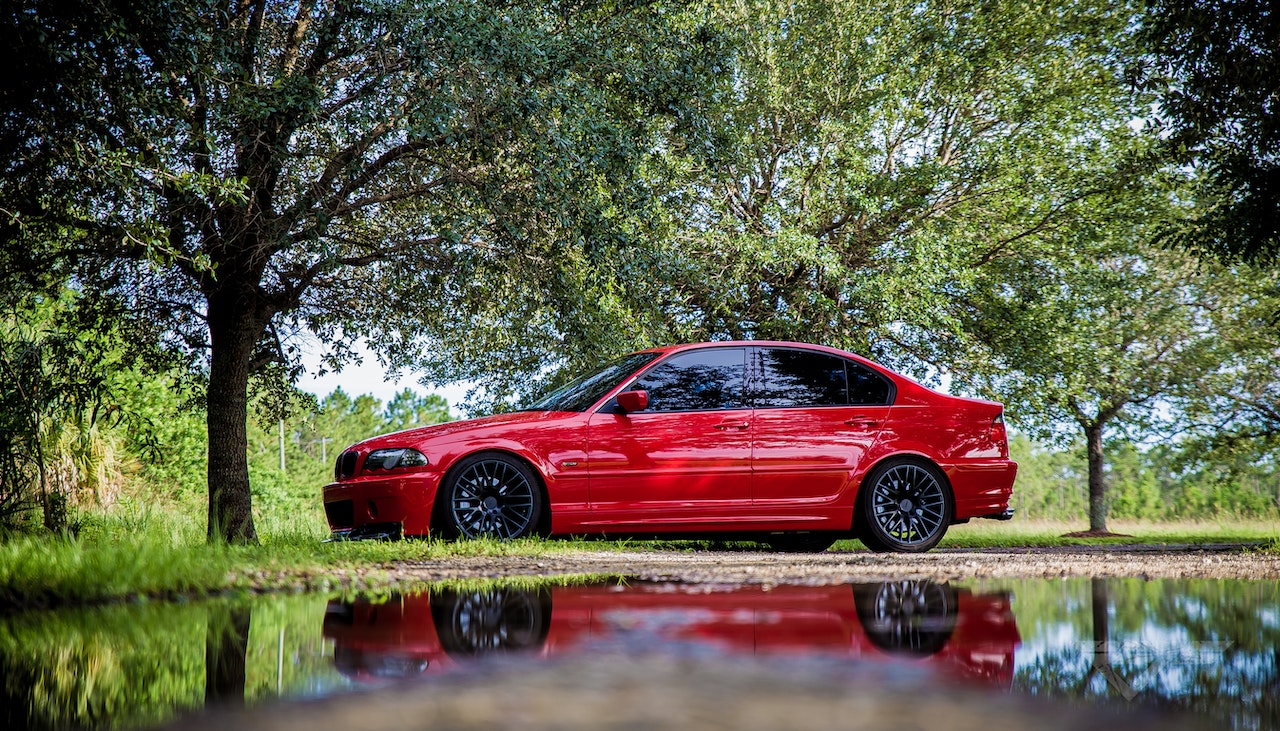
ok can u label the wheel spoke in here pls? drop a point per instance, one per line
(908, 504)
(493, 498)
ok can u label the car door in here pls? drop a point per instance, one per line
(816, 417)
(686, 459)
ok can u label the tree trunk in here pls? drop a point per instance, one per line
(232, 335)
(1097, 479)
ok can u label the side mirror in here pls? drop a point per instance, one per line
(630, 401)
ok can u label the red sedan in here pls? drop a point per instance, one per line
(796, 445)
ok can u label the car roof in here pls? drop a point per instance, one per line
(665, 349)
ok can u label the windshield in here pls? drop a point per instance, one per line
(581, 392)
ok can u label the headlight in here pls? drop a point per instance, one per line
(385, 459)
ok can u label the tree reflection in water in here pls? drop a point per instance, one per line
(1208, 647)
(226, 642)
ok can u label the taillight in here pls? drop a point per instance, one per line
(999, 436)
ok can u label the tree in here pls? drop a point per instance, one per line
(870, 158)
(1216, 68)
(232, 174)
(56, 391)
(407, 410)
(1100, 330)
(1235, 413)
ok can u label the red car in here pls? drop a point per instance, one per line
(965, 636)
(792, 444)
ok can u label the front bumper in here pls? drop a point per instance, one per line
(374, 504)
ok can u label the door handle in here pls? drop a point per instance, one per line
(860, 421)
(739, 425)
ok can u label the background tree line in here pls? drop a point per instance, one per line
(505, 192)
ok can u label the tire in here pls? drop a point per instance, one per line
(801, 542)
(904, 506)
(492, 496)
(914, 618)
(495, 620)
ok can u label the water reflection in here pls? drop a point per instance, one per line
(961, 633)
(141, 665)
(1210, 648)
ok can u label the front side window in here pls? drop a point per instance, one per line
(580, 393)
(700, 380)
(800, 378)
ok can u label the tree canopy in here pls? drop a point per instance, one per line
(232, 174)
(1216, 69)
(871, 157)
(1094, 328)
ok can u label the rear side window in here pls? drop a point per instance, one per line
(701, 380)
(866, 387)
(800, 378)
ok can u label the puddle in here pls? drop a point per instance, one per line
(1206, 647)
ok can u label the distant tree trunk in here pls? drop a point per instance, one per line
(1097, 479)
(232, 334)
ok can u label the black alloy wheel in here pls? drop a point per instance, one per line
(492, 496)
(904, 506)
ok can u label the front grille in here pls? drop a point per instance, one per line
(346, 466)
(341, 514)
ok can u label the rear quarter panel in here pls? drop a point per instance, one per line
(956, 434)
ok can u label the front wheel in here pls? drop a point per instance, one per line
(904, 506)
(492, 496)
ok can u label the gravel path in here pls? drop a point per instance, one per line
(736, 567)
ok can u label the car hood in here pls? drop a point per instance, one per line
(447, 430)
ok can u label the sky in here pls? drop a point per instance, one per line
(371, 378)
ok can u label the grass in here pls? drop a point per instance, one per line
(139, 554)
(1040, 533)
(134, 555)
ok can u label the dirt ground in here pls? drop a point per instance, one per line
(834, 567)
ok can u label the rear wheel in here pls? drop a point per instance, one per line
(904, 506)
(492, 496)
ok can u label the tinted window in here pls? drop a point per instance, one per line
(697, 381)
(581, 392)
(800, 378)
(866, 387)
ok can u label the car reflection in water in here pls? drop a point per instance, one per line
(958, 633)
